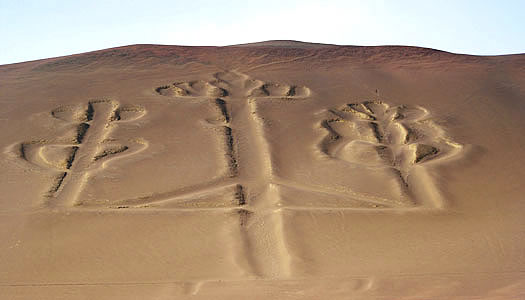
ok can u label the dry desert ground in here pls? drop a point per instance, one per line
(274, 170)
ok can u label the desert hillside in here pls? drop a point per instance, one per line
(272, 170)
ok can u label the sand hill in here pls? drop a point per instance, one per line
(273, 170)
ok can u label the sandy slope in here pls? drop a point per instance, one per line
(269, 170)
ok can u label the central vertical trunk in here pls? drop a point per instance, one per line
(260, 220)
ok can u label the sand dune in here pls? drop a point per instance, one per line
(273, 170)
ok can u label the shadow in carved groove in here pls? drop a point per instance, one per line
(373, 134)
(85, 148)
(370, 134)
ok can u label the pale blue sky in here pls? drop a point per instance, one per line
(34, 29)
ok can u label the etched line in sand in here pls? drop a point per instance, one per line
(248, 156)
(239, 195)
(397, 139)
(234, 93)
(83, 150)
(371, 134)
(374, 135)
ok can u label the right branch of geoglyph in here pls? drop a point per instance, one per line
(374, 134)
